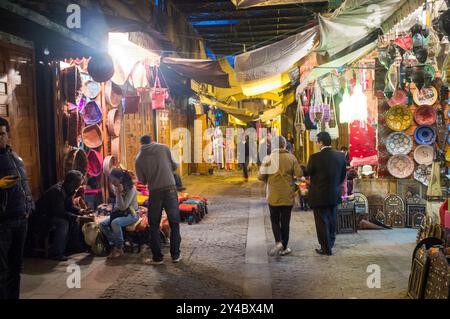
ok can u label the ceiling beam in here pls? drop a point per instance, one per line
(249, 14)
(269, 17)
(236, 35)
(246, 27)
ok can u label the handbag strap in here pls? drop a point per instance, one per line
(157, 84)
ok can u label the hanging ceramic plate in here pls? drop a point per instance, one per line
(399, 118)
(425, 135)
(398, 143)
(424, 155)
(91, 89)
(426, 96)
(400, 166)
(425, 115)
(422, 174)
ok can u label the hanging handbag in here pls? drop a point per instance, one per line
(333, 127)
(158, 94)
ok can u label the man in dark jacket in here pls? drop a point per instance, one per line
(327, 170)
(155, 167)
(15, 205)
(56, 209)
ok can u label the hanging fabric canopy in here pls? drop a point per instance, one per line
(275, 58)
(242, 4)
(202, 71)
(242, 114)
(335, 64)
(272, 113)
(356, 19)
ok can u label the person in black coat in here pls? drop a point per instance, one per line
(327, 170)
(16, 203)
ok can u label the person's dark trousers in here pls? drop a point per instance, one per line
(280, 216)
(245, 169)
(61, 231)
(325, 218)
(12, 241)
(303, 203)
(167, 200)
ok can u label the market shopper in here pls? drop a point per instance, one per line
(56, 210)
(124, 211)
(15, 205)
(327, 171)
(155, 167)
(278, 171)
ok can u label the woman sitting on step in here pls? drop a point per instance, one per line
(124, 212)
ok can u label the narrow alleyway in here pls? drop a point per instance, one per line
(225, 256)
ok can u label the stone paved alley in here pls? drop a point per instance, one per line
(225, 256)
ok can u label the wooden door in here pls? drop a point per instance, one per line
(17, 69)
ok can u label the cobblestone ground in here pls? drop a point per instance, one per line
(213, 251)
(225, 256)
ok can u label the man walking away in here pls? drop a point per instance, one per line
(155, 167)
(281, 190)
(15, 205)
(327, 170)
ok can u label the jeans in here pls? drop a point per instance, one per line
(280, 216)
(325, 218)
(61, 231)
(245, 169)
(113, 231)
(12, 241)
(158, 201)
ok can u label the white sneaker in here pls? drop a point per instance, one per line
(150, 261)
(285, 252)
(177, 260)
(276, 249)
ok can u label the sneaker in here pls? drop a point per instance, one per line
(150, 261)
(177, 260)
(276, 249)
(116, 253)
(285, 252)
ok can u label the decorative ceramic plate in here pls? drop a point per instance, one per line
(425, 135)
(425, 115)
(422, 174)
(400, 166)
(426, 96)
(398, 118)
(91, 89)
(424, 155)
(398, 143)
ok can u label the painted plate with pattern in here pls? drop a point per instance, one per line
(422, 174)
(399, 143)
(399, 118)
(400, 166)
(424, 155)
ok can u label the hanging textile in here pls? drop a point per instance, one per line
(356, 19)
(272, 113)
(362, 140)
(333, 65)
(242, 4)
(202, 71)
(242, 114)
(275, 58)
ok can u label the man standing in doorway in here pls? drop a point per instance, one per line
(327, 170)
(15, 205)
(155, 167)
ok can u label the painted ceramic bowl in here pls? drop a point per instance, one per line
(398, 118)
(399, 143)
(425, 115)
(400, 166)
(424, 155)
(425, 96)
(422, 174)
(425, 135)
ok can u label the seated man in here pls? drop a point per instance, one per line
(56, 208)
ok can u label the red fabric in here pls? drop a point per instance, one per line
(362, 140)
(187, 207)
